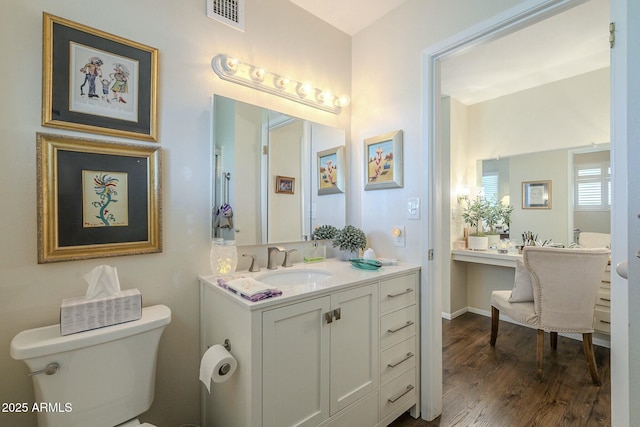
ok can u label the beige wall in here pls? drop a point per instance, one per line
(279, 36)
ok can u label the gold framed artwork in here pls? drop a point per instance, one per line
(285, 184)
(536, 195)
(383, 161)
(97, 82)
(97, 198)
(331, 171)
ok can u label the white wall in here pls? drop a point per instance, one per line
(279, 36)
(387, 96)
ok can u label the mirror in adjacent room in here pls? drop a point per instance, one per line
(264, 175)
(581, 180)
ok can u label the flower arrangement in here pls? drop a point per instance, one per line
(350, 239)
(324, 232)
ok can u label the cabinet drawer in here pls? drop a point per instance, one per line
(397, 326)
(397, 359)
(397, 293)
(602, 320)
(604, 297)
(397, 393)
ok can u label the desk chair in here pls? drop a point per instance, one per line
(565, 285)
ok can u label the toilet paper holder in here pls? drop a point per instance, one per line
(226, 345)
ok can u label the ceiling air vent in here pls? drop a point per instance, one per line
(230, 12)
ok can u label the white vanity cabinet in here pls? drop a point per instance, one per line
(316, 358)
(319, 356)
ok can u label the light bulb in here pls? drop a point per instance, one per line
(258, 73)
(303, 89)
(323, 96)
(231, 63)
(341, 101)
(281, 82)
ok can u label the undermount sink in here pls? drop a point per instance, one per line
(293, 277)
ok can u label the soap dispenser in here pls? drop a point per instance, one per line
(314, 252)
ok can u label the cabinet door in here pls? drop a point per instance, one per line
(354, 345)
(295, 365)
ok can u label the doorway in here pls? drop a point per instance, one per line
(436, 193)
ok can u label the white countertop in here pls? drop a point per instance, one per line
(489, 257)
(343, 274)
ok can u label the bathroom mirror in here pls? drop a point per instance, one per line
(265, 177)
(580, 177)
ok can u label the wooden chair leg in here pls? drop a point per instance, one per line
(554, 340)
(495, 317)
(587, 344)
(540, 353)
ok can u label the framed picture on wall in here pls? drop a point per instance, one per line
(285, 184)
(96, 199)
(383, 161)
(536, 195)
(331, 171)
(97, 82)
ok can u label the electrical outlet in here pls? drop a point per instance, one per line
(398, 236)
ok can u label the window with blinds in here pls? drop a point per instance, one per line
(592, 186)
(490, 184)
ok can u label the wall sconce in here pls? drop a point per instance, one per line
(233, 70)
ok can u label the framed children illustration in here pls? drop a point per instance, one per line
(97, 82)
(383, 161)
(96, 198)
(331, 171)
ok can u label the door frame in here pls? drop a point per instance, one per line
(435, 256)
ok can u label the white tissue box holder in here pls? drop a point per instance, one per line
(81, 314)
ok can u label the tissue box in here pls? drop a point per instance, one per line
(82, 314)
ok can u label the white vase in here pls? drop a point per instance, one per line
(478, 243)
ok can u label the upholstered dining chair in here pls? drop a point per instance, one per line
(555, 291)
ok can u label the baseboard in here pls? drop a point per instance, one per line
(598, 339)
(451, 316)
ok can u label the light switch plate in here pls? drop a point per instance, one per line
(413, 208)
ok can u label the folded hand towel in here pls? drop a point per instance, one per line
(249, 288)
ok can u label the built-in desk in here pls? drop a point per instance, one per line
(489, 257)
(481, 280)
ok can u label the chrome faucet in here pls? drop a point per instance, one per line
(272, 256)
(253, 267)
(287, 258)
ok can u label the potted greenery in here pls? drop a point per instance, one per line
(474, 214)
(350, 240)
(324, 232)
(497, 213)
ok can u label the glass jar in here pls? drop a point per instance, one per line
(223, 257)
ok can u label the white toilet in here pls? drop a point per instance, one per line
(103, 377)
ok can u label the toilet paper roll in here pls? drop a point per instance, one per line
(217, 364)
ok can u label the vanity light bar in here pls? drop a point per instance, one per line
(231, 69)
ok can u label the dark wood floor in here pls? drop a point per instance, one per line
(497, 387)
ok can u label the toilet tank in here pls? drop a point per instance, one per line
(105, 377)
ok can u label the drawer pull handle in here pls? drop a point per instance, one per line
(406, 390)
(407, 357)
(328, 316)
(337, 313)
(606, 299)
(605, 322)
(407, 291)
(406, 325)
